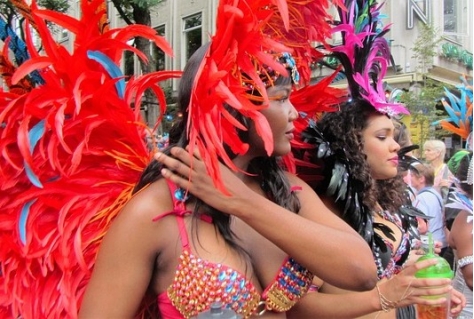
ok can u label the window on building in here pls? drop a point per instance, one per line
(192, 34)
(158, 54)
(455, 14)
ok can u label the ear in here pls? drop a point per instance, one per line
(422, 179)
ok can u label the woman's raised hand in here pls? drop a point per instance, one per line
(189, 172)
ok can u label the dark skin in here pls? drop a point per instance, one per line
(460, 239)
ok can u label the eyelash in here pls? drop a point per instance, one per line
(283, 99)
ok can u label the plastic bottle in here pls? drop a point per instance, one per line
(440, 270)
(218, 312)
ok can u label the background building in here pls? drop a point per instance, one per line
(187, 24)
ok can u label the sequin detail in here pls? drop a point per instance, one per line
(292, 282)
(180, 195)
(199, 283)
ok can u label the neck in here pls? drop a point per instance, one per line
(242, 163)
(437, 162)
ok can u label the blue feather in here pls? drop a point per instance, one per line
(25, 211)
(32, 176)
(34, 136)
(19, 49)
(113, 70)
(16, 44)
(452, 113)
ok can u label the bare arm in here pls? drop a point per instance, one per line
(125, 264)
(461, 239)
(405, 288)
(313, 237)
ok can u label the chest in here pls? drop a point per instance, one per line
(390, 246)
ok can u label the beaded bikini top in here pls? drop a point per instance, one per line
(199, 283)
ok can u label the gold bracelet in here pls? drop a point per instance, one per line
(385, 303)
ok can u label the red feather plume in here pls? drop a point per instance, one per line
(71, 151)
(250, 33)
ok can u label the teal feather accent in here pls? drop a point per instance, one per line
(113, 70)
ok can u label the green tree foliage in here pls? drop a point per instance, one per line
(424, 102)
(425, 47)
(424, 98)
(139, 12)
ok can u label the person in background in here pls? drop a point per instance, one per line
(429, 201)
(460, 237)
(450, 213)
(434, 152)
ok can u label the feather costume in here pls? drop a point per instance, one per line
(459, 110)
(71, 150)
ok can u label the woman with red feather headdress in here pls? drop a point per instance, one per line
(235, 249)
(73, 149)
(354, 157)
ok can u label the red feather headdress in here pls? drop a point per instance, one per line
(72, 149)
(250, 33)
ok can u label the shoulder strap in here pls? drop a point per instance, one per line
(445, 171)
(435, 195)
(179, 209)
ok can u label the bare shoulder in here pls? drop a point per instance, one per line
(150, 202)
(139, 214)
(462, 228)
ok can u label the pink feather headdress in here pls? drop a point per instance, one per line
(365, 53)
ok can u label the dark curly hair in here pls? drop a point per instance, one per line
(343, 129)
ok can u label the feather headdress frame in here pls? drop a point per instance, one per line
(365, 53)
(459, 110)
(249, 34)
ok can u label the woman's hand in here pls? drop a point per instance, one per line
(458, 302)
(189, 172)
(405, 289)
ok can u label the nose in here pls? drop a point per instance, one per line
(293, 113)
(395, 146)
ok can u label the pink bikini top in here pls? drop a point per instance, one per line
(199, 283)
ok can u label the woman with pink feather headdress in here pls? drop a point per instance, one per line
(354, 159)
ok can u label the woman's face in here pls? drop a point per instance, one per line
(280, 115)
(430, 153)
(380, 147)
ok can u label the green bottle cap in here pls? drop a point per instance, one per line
(442, 269)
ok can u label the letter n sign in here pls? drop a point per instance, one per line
(423, 13)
